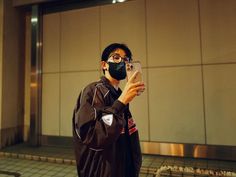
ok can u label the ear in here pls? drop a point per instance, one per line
(103, 65)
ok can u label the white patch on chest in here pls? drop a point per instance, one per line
(107, 119)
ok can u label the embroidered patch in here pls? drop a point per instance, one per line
(107, 119)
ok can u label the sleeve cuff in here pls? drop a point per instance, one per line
(119, 107)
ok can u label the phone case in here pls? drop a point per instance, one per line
(131, 68)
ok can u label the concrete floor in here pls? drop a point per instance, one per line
(23, 161)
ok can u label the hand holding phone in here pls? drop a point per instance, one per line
(134, 86)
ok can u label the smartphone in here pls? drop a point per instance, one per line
(131, 68)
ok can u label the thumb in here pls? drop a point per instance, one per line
(134, 75)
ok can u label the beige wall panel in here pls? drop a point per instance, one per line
(218, 30)
(176, 105)
(12, 68)
(50, 104)
(51, 42)
(220, 101)
(71, 85)
(139, 110)
(173, 32)
(125, 23)
(80, 39)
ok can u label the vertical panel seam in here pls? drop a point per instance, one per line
(99, 33)
(202, 70)
(60, 33)
(147, 72)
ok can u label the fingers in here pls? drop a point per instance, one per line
(132, 78)
(137, 84)
(130, 91)
(140, 89)
(137, 90)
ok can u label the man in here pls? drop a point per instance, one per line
(106, 139)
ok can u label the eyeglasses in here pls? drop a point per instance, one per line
(116, 58)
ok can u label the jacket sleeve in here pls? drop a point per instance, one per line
(96, 124)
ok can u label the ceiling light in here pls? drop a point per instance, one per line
(115, 1)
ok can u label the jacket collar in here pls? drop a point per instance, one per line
(115, 93)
